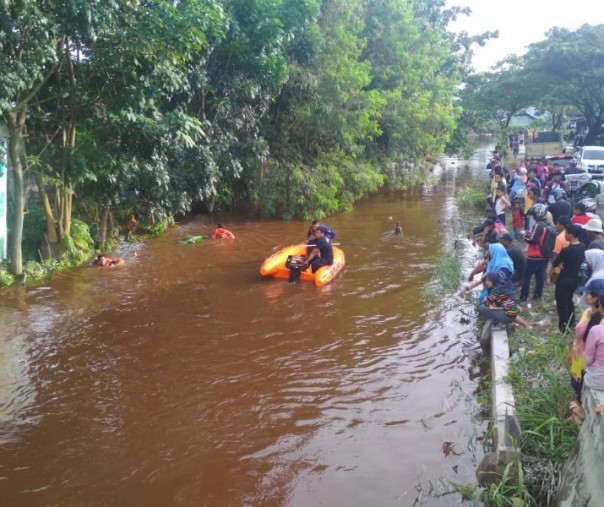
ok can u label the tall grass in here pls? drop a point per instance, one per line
(542, 390)
(471, 197)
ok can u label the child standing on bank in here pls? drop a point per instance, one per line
(517, 219)
(501, 203)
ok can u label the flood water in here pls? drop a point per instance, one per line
(187, 379)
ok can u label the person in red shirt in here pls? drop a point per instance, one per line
(536, 262)
(108, 262)
(221, 233)
(517, 219)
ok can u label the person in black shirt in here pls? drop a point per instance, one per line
(515, 254)
(560, 207)
(567, 265)
(321, 253)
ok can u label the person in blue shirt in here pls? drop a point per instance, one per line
(328, 232)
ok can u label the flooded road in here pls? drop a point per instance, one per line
(186, 378)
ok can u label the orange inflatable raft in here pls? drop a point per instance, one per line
(275, 265)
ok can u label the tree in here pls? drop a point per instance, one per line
(417, 67)
(321, 120)
(34, 38)
(571, 65)
(501, 94)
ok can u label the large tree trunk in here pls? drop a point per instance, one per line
(51, 227)
(16, 123)
(103, 228)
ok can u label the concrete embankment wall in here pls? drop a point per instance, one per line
(583, 475)
(506, 430)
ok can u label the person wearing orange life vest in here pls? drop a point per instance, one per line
(221, 233)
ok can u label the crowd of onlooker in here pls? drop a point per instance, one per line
(535, 230)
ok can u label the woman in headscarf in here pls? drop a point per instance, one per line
(501, 263)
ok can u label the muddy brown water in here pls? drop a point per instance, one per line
(186, 378)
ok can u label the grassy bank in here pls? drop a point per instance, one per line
(540, 380)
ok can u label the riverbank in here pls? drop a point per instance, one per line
(538, 374)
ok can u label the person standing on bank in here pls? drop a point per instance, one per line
(515, 254)
(501, 203)
(566, 265)
(536, 262)
(321, 253)
(560, 207)
(595, 233)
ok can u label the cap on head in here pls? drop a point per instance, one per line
(595, 286)
(594, 225)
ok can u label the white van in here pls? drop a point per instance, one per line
(592, 160)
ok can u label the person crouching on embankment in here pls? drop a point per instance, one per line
(498, 307)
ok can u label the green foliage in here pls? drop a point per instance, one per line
(408, 51)
(158, 228)
(188, 239)
(543, 392)
(78, 245)
(471, 197)
(6, 278)
(34, 226)
(498, 96)
(509, 491)
(448, 270)
(300, 107)
(539, 376)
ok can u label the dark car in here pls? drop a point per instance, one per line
(562, 160)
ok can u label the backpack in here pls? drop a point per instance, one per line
(328, 231)
(548, 241)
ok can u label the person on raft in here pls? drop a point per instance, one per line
(103, 261)
(321, 252)
(328, 232)
(221, 233)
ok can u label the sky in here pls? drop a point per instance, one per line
(520, 22)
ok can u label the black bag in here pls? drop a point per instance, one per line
(546, 245)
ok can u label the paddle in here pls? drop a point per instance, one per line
(335, 244)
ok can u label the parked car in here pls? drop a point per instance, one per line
(592, 160)
(562, 160)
